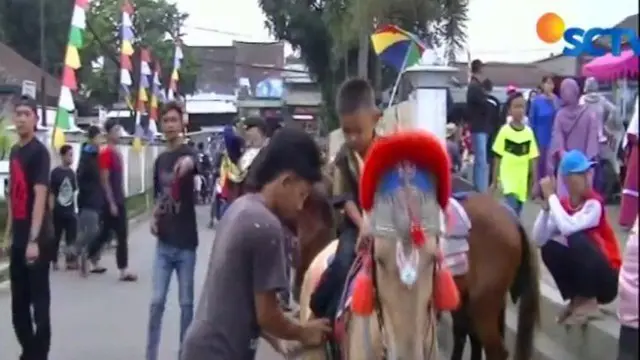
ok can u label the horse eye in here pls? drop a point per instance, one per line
(380, 262)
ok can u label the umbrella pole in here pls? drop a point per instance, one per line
(397, 83)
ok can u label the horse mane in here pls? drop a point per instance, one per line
(320, 199)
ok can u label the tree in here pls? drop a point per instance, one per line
(20, 30)
(437, 22)
(156, 22)
(333, 35)
(156, 25)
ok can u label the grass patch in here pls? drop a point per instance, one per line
(137, 204)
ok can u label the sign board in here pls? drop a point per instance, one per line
(29, 89)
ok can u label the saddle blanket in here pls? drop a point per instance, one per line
(455, 244)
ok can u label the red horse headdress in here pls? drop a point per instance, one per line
(404, 189)
(401, 167)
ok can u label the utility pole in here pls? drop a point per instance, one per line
(43, 67)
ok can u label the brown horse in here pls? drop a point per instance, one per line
(314, 230)
(501, 259)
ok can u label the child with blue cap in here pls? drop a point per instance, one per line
(577, 242)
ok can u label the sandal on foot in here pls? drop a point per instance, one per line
(128, 278)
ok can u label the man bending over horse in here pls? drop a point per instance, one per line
(247, 264)
(578, 244)
(358, 118)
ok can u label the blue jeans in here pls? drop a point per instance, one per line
(514, 203)
(168, 259)
(480, 162)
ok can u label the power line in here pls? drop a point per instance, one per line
(109, 53)
(218, 31)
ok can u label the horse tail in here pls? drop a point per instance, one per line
(526, 288)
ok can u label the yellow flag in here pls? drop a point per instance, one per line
(72, 58)
(126, 48)
(137, 144)
(142, 96)
(58, 138)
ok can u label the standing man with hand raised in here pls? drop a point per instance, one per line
(174, 223)
(31, 231)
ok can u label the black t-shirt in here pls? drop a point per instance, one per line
(63, 188)
(30, 164)
(175, 200)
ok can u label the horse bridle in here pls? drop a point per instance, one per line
(369, 250)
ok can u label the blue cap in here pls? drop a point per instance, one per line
(574, 162)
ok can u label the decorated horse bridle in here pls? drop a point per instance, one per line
(367, 256)
(403, 163)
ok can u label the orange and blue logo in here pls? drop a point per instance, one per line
(551, 28)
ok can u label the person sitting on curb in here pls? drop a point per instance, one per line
(577, 242)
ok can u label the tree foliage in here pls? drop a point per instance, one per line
(20, 29)
(332, 36)
(156, 24)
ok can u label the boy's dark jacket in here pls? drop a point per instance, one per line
(345, 182)
(90, 195)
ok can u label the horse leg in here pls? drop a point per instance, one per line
(460, 331)
(485, 316)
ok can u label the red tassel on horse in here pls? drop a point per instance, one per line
(446, 296)
(362, 300)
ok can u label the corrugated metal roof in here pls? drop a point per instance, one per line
(14, 69)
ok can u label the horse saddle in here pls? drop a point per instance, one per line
(455, 244)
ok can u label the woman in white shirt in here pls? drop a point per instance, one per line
(577, 243)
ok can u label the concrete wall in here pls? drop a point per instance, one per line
(138, 166)
(560, 65)
(399, 116)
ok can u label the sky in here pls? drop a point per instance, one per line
(498, 30)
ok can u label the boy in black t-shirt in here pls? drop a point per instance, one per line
(29, 265)
(62, 201)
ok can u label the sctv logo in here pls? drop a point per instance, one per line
(551, 29)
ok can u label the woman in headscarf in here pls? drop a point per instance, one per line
(607, 128)
(542, 111)
(629, 206)
(575, 127)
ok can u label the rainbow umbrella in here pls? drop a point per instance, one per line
(396, 47)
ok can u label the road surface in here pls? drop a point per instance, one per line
(100, 318)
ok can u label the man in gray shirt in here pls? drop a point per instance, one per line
(239, 301)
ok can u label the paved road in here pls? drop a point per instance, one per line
(102, 319)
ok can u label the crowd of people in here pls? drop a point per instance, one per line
(555, 149)
(264, 182)
(522, 141)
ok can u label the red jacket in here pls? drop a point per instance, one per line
(602, 234)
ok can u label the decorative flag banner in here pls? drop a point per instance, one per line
(142, 97)
(175, 74)
(64, 121)
(157, 96)
(396, 47)
(126, 49)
